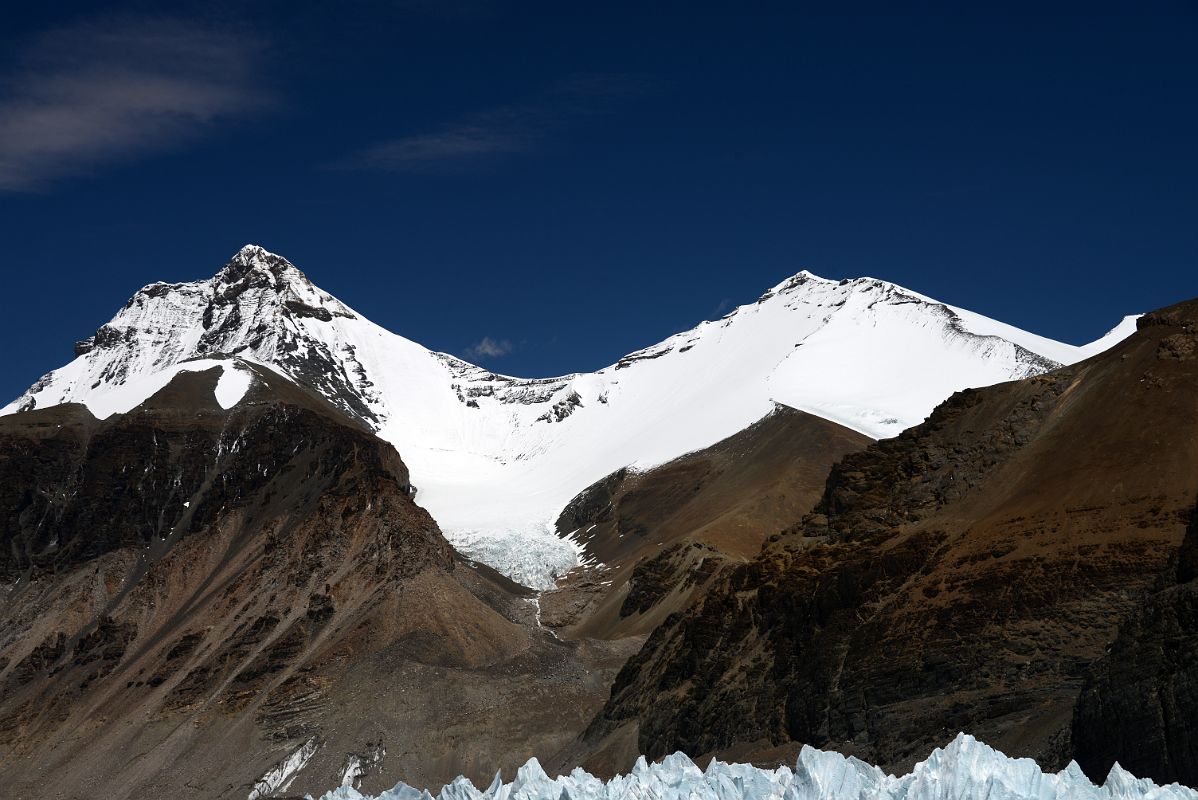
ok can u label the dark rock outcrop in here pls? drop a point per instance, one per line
(1140, 703)
(73, 488)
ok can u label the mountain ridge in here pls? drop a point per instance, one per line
(495, 457)
(250, 256)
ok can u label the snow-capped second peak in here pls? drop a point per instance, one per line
(495, 458)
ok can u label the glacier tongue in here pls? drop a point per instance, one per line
(966, 769)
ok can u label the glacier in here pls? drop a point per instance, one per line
(496, 458)
(965, 769)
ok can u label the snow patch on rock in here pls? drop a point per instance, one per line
(234, 382)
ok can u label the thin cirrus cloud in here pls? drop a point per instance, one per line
(489, 348)
(449, 144)
(94, 93)
(503, 131)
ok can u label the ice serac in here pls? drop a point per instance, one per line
(496, 458)
(965, 768)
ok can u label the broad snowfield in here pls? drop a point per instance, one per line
(496, 458)
(964, 770)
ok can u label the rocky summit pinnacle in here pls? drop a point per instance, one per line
(254, 258)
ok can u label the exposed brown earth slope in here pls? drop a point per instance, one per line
(964, 575)
(662, 533)
(189, 595)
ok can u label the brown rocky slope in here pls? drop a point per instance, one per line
(189, 596)
(660, 534)
(968, 574)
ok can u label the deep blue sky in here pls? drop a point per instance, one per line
(581, 180)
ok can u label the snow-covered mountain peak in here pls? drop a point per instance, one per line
(280, 286)
(261, 285)
(258, 306)
(495, 458)
(807, 281)
(862, 297)
(249, 253)
(798, 279)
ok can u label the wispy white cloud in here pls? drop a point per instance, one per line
(450, 143)
(489, 348)
(98, 92)
(505, 130)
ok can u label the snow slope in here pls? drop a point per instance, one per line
(1125, 328)
(964, 770)
(495, 458)
(232, 385)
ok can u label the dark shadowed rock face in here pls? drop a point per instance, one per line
(73, 488)
(964, 575)
(1140, 704)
